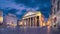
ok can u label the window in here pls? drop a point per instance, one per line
(54, 25)
(58, 6)
(53, 1)
(54, 11)
(55, 19)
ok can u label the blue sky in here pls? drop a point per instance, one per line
(19, 7)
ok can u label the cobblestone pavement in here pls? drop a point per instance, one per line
(28, 30)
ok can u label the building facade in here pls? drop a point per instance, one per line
(55, 13)
(11, 20)
(31, 19)
(55, 6)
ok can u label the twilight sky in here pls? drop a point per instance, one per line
(19, 7)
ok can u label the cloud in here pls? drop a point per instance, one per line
(19, 13)
(19, 7)
(28, 3)
(32, 3)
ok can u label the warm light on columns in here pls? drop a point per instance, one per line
(40, 18)
(1, 19)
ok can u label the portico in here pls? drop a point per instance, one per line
(32, 19)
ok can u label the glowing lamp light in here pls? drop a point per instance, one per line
(20, 23)
(48, 23)
(1, 19)
(44, 24)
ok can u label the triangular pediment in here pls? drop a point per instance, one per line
(29, 13)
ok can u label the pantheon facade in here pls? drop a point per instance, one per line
(31, 19)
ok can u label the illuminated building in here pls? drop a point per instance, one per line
(43, 20)
(1, 16)
(32, 19)
(49, 22)
(55, 13)
(11, 20)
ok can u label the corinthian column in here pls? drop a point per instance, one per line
(30, 21)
